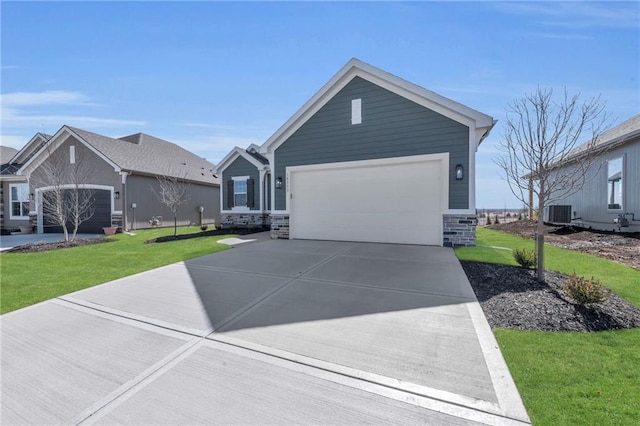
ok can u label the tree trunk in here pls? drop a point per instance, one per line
(540, 238)
(175, 225)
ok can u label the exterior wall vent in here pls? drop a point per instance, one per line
(560, 214)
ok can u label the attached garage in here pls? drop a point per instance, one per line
(101, 216)
(395, 200)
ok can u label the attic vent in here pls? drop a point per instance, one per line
(356, 111)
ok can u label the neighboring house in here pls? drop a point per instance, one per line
(610, 198)
(122, 180)
(6, 154)
(370, 157)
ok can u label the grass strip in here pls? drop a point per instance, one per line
(29, 278)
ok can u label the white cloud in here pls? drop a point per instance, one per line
(575, 14)
(49, 97)
(13, 119)
(28, 110)
(14, 141)
(562, 36)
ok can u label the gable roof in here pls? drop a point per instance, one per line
(356, 68)
(30, 148)
(621, 133)
(251, 156)
(615, 136)
(139, 153)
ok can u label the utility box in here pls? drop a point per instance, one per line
(559, 214)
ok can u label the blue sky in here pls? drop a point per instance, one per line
(213, 75)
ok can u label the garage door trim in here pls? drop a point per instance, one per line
(40, 191)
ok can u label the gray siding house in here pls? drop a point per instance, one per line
(120, 173)
(370, 157)
(610, 199)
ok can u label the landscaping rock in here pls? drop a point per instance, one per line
(511, 297)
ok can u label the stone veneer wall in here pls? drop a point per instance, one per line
(459, 230)
(280, 226)
(243, 220)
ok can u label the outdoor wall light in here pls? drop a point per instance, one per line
(278, 182)
(459, 172)
(116, 195)
(32, 196)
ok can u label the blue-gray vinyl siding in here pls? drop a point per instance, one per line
(241, 167)
(392, 126)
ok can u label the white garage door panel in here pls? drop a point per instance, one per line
(393, 203)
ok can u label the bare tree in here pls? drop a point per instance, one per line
(66, 201)
(542, 133)
(173, 192)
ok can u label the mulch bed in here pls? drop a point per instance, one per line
(511, 297)
(239, 231)
(40, 247)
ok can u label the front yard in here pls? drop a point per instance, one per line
(563, 377)
(29, 278)
(571, 377)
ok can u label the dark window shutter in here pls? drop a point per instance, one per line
(230, 201)
(250, 191)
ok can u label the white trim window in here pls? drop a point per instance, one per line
(239, 193)
(19, 200)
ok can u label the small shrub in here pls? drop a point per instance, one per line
(488, 219)
(525, 258)
(508, 214)
(497, 221)
(519, 216)
(203, 227)
(586, 291)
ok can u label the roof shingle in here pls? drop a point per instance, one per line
(147, 154)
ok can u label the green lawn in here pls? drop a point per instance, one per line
(571, 378)
(29, 278)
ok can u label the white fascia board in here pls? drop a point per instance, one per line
(12, 178)
(37, 138)
(357, 68)
(54, 143)
(233, 155)
(317, 101)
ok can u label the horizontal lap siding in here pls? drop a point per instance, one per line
(241, 167)
(142, 191)
(392, 126)
(590, 203)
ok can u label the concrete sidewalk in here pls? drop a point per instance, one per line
(304, 332)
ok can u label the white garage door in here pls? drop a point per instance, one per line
(397, 200)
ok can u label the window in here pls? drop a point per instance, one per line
(614, 184)
(19, 201)
(72, 154)
(240, 193)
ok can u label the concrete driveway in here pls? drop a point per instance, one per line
(271, 332)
